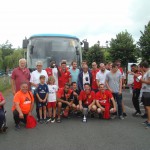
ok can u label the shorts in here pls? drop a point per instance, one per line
(146, 98)
(41, 104)
(84, 105)
(51, 105)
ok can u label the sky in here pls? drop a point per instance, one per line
(94, 20)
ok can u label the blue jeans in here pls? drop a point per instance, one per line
(2, 117)
(118, 98)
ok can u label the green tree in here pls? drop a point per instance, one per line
(123, 48)
(144, 43)
(95, 54)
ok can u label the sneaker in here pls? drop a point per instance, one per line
(53, 120)
(4, 127)
(92, 115)
(58, 120)
(141, 104)
(45, 120)
(124, 115)
(41, 121)
(121, 117)
(48, 120)
(136, 114)
(144, 116)
(145, 122)
(113, 117)
(147, 126)
(17, 126)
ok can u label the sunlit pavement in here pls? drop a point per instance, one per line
(72, 134)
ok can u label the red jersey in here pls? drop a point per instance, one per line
(64, 78)
(87, 99)
(137, 83)
(104, 98)
(1, 99)
(49, 71)
(65, 96)
(94, 83)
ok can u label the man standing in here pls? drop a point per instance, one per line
(136, 88)
(101, 75)
(53, 71)
(35, 80)
(65, 76)
(94, 72)
(114, 85)
(85, 76)
(19, 75)
(74, 72)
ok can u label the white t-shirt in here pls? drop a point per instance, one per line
(52, 93)
(101, 76)
(146, 87)
(35, 76)
(55, 74)
(86, 78)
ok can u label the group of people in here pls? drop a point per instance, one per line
(59, 91)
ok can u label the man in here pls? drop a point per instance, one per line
(74, 72)
(87, 101)
(22, 105)
(94, 72)
(3, 126)
(136, 88)
(85, 76)
(101, 75)
(118, 62)
(35, 80)
(103, 98)
(19, 75)
(65, 100)
(114, 85)
(65, 76)
(52, 70)
(146, 91)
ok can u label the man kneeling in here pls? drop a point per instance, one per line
(103, 102)
(87, 101)
(22, 105)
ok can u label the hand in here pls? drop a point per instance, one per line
(40, 100)
(29, 114)
(44, 100)
(114, 109)
(75, 94)
(111, 90)
(80, 107)
(13, 92)
(68, 103)
(103, 109)
(89, 107)
(119, 92)
(21, 116)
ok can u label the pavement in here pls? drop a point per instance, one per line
(72, 134)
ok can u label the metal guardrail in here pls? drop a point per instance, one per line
(4, 82)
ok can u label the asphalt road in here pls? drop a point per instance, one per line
(72, 134)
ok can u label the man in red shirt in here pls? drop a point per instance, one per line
(65, 76)
(94, 72)
(65, 100)
(19, 75)
(87, 101)
(103, 98)
(136, 88)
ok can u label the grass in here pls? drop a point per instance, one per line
(4, 83)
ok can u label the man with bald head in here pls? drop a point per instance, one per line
(19, 75)
(101, 75)
(84, 76)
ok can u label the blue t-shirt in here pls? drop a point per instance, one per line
(74, 74)
(42, 90)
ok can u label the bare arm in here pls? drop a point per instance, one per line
(145, 81)
(97, 82)
(120, 86)
(107, 85)
(13, 87)
(2, 103)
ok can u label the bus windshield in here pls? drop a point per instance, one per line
(52, 48)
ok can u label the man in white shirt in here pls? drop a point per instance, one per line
(101, 75)
(35, 80)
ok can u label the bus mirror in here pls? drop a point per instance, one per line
(86, 46)
(25, 43)
(31, 49)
